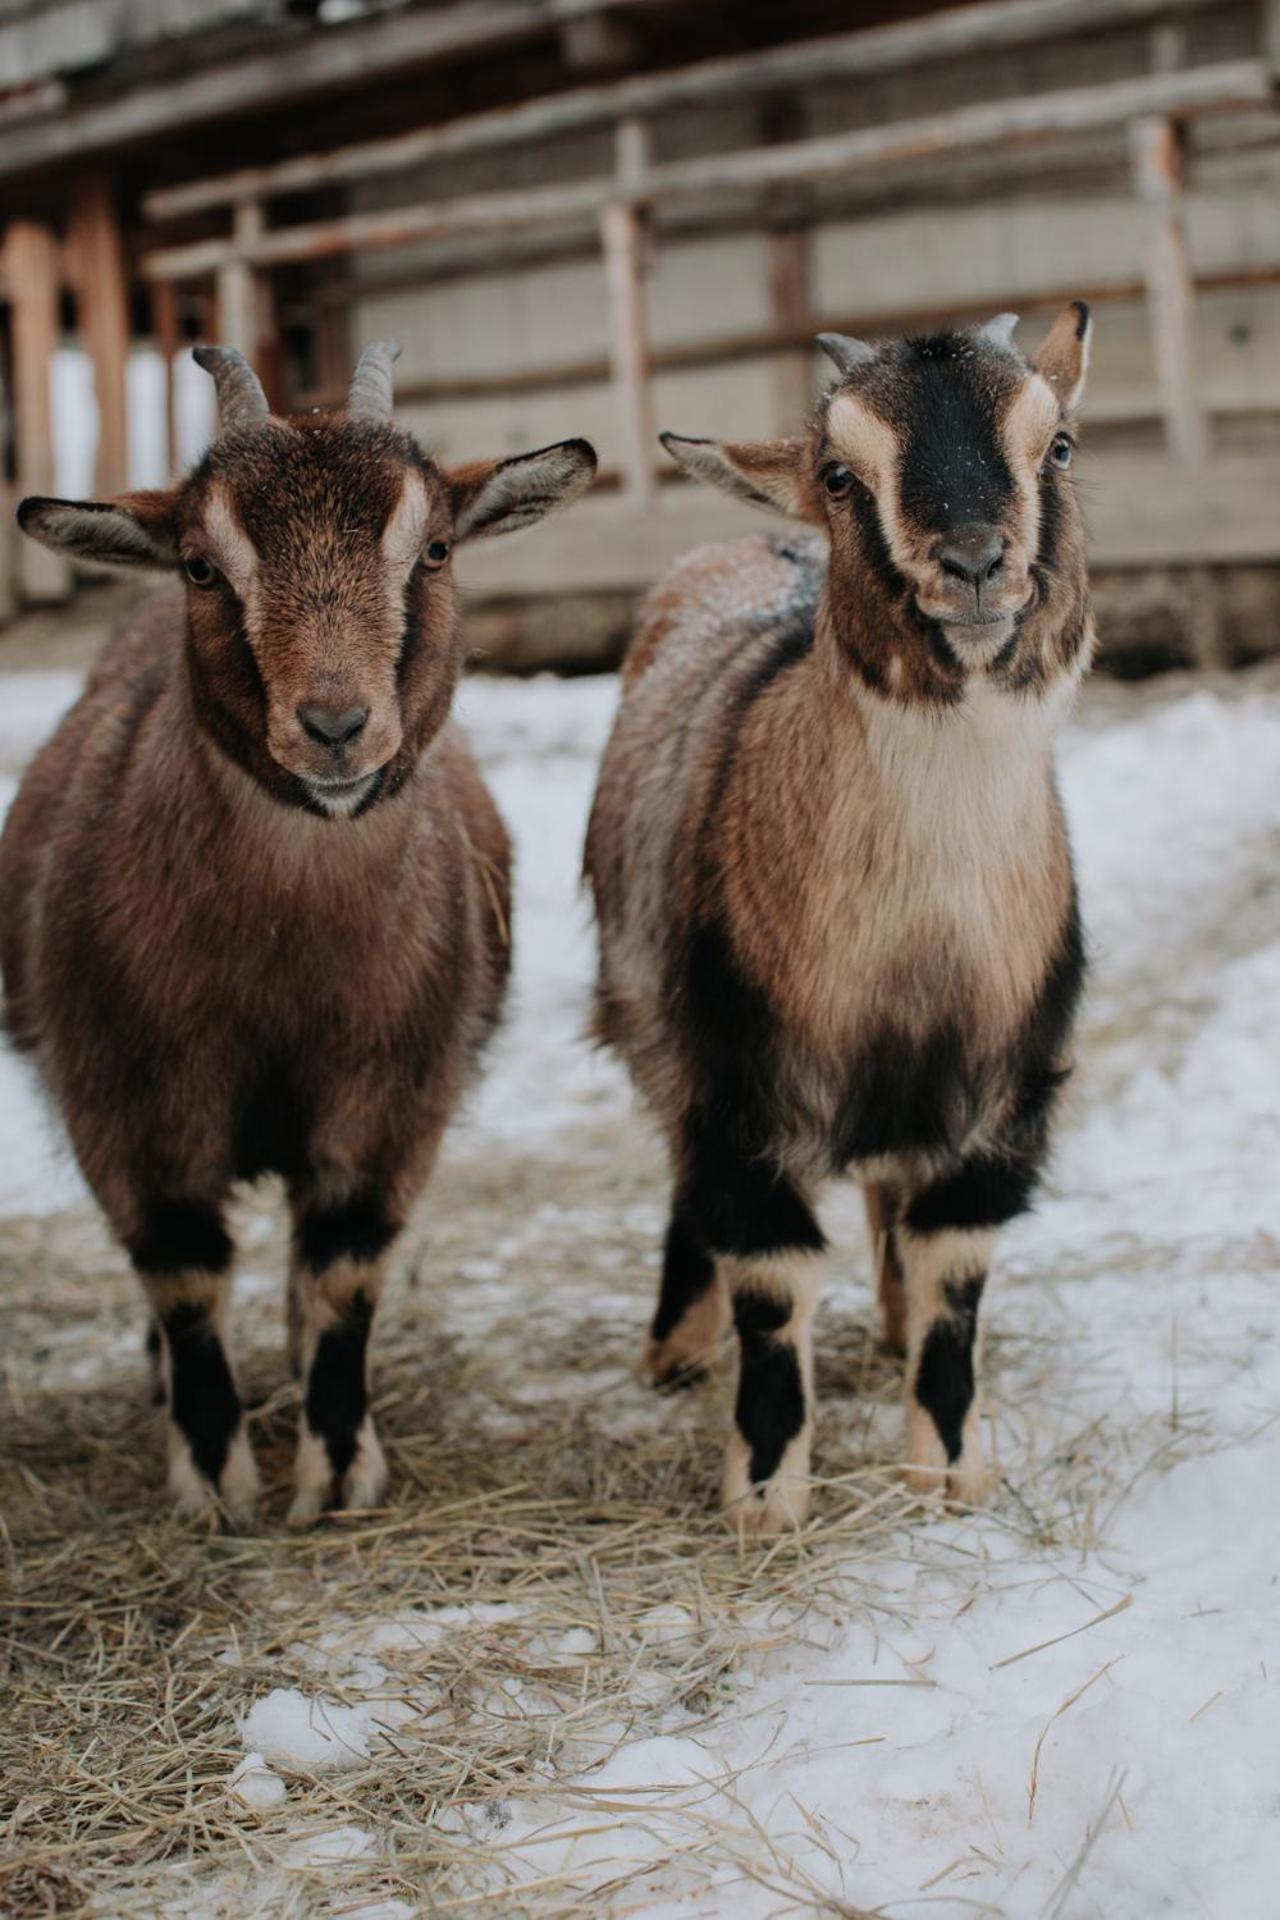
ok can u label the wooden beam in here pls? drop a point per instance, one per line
(788, 250)
(238, 294)
(96, 261)
(34, 261)
(623, 236)
(1076, 110)
(168, 337)
(939, 36)
(301, 63)
(1144, 512)
(765, 343)
(1158, 175)
(397, 227)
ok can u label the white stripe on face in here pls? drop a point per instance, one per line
(1028, 426)
(870, 447)
(403, 535)
(232, 550)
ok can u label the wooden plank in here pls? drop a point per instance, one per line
(766, 343)
(1076, 110)
(99, 276)
(34, 261)
(396, 227)
(1143, 511)
(238, 293)
(939, 36)
(168, 337)
(302, 64)
(1158, 177)
(623, 237)
(788, 268)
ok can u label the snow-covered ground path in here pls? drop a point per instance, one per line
(1068, 1706)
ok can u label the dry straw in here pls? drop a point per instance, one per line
(535, 1486)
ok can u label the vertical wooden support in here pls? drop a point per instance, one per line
(333, 352)
(33, 264)
(624, 237)
(96, 262)
(8, 532)
(1271, 36)
(238, 321)
(1158, 176)
(788, 264)
(168, 337)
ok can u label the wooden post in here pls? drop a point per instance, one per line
(624, 237)
(788, 263)
(96, 259)
(238, 286)
(168, 338)
(33, 264)
(8, 532)
(1158, 176)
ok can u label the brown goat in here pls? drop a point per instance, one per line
(255, 897)
(837, 912)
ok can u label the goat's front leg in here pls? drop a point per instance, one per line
(945, 1239)
(767, 1244)
(182, 1254)
(335, 1283)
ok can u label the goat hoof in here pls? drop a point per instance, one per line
(767, 1507)
(665, 1374)
(365, 1481)
(964, 1482)
(198, 1501)
(684, 1355)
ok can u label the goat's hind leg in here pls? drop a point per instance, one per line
(182, 1254)
(883, 1203)
(339, 1250)
(692, 1314)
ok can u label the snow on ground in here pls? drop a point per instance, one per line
(1081, 1723)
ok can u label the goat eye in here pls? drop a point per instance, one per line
(200, 572)
(837, 480)
(437, 552)
(1061, 448)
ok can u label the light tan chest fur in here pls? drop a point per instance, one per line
(898, 866)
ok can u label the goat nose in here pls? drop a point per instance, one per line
(329, 727)
(972, 554)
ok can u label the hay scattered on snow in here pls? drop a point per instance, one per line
(551, 1580)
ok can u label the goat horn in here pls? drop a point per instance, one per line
(847, 354)
(1000, 330)
(241, 400)
(370, 396)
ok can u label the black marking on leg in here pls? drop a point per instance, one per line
(944, 1383)
(356, 1229)
(770, 1408)
(203, 1400)
(155, 1361)
(181, 1234)
(337, 1396)
(687, 1271)
(984, 1191)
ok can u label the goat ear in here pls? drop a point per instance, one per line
(135, 530)
(501, 496)
(1063, 359)
(773, 474)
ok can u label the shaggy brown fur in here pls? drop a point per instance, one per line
(255, 897)
(834, 890)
